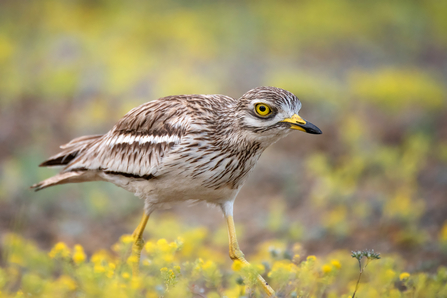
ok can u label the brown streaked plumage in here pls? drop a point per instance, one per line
(184, 148)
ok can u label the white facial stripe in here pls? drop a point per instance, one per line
(255, 122)
(255, 101)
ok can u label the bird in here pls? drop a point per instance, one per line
(195, 148)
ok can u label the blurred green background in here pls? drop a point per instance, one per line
(371, 74)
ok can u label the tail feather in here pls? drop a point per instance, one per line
(60, 159)
(80, 141)
(58, 179)
(67, 177)
(70, 151)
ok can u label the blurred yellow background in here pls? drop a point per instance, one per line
(371, 74)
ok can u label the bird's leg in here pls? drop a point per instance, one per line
(138, 244)
(235, 251)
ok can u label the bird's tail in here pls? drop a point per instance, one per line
(69, 152)
(62, 178)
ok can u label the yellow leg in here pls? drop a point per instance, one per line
(138, 244)
(236, 254)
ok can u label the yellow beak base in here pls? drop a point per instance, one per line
(297, 128)
(299, 123)
(295, 119)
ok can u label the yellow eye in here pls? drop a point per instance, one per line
(262, 109)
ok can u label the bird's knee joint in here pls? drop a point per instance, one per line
(236, 255)
(138, 244)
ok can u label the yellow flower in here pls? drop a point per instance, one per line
(312, 258)
(125, 275)
(171, 273)
(150, 247)
(282, 270)
(59, 250)
(404, 276)
(336, 264)
(296, 258)
(237, 265)
(126, 239)
(326, 269)
(98, 257)
(98, 268)
(208, 264)
(164, 269)
(60, 246)
(163, 245)
(78, 254)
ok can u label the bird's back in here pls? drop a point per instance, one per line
(174, 135)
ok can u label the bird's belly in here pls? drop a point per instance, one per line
(168, 189)
(176, 189)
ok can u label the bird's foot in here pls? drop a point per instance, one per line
(237, 254)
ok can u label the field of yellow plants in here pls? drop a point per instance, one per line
(371, 74)
(189, 267)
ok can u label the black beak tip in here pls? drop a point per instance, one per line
(315, 131)
(311, 128)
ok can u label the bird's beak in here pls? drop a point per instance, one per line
(299, 123)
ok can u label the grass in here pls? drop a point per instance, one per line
(172, 269)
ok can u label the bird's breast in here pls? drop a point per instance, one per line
(213, 164)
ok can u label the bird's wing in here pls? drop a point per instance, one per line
(138, 142)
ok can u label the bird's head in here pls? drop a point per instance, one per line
(270, 113)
